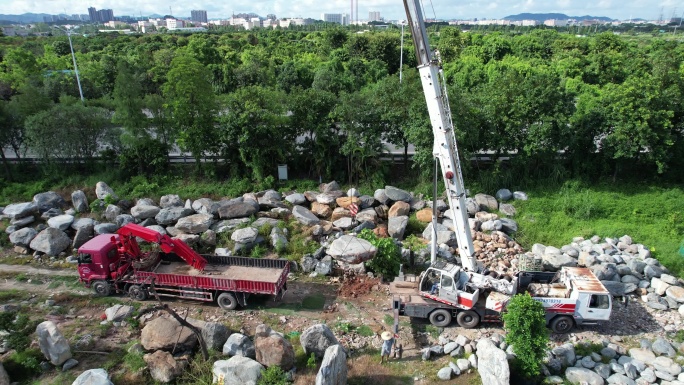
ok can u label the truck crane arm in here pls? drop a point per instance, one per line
(129, 232)
(444, 149)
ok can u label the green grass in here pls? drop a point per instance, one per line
(653, 216)
(365, 331)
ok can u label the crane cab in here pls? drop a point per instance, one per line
(448, 283)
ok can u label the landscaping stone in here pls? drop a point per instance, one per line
(504, 195)
(93, 377)
(583, 376)
(23, 237)
(317, 339)
(79, 201)
(396, 194)
(52, 343)
(195, 224)
(170, 215)
(333, 370)
(48, 200)
(50, 241)
(238, 370)
(304, 216)
(61, 222)
(492, 363)
(272, 348)
(396, 226)
(20, 210)
(118, 312)
(239, 345)
(163, 367)
(237, 209)
(165, 333)
(351, 249)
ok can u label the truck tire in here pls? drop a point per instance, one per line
(468, 319)
(137, 292)
(101, 288)
(227, 301)
(562, 324)
(440, 318)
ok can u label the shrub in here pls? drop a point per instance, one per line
(526, 332)
(273, 375)
(20, 327)
(23, 365)
(311, 362)
(388, 257)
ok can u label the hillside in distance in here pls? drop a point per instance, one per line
(24, 18)
(557, 16)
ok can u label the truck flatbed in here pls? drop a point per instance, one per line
(261, 274)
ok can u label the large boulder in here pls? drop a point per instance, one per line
(296, 198)
(163, 367)
(118, 312)
(20, 210)
(83, 234)
(79, 201)
(504, 195)
(105, 228)
(676, 293)
(272, 349)
(195, 224)
(380, 195)
(52, 343)
(582, 376)
(50, 241)
(321, 210)
(23, 237)
(102, 190)
(492, 364)
(171, 215)
(396, 226)
(61, 222)
(171, 200)
(333, 369)
(93, 377)
(165, 333)
(329, 187)
(316, 339)
(304, 216)
(144, 211)
(486, 202)
(553, 262)
(205, 206)
(238, 370)
(396, 194)
(48, 200)
(237, 209)
(239, 345)
(351, 249)
(111, 212)
(214, 334)
(245, 235)
(400, 208)
(368, 215)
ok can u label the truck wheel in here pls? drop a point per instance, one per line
(137, 292)
(562, 324)
(102, 288)
(468, 319)
(227, 301)
(440, 318)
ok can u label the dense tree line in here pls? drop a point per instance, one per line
(325, 101)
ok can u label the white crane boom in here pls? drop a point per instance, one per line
(444, 149)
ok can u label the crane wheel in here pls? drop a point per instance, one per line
(440, 318)
(227, 301)
(137, 292)
(101, 288)
(468, 319)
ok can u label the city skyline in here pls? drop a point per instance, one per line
(389, 9)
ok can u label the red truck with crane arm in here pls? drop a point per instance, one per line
(115, 263)
(573, 296)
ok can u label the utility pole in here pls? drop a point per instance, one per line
(73, 57)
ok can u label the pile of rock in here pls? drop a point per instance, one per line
(270, 348)
(652, 363)
(487, 355)
(326, 214)
(622, 266)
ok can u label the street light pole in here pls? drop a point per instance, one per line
(78, 79)
(401, 53)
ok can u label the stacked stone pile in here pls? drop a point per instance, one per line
(624, 268)
(42, 227)
(654, 362)
(488, 355)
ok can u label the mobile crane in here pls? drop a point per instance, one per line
(112, 263)
(446, 290)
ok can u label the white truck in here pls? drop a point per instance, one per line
(571, 296)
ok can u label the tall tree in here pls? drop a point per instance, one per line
(193, 106)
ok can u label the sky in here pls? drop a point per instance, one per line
(389, 9)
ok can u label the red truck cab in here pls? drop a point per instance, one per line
(97, 259)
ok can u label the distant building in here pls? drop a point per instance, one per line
(198, 16)
(105, 15)
(189, 29)
(556, 23)
(115, 24)
(339, 18)
(94, 17)
(530, 23)
(374, 16)
(173, 23)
